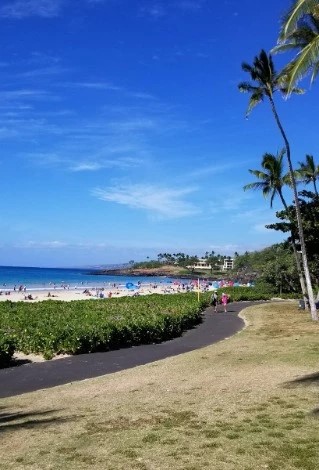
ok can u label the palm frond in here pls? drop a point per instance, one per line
(246, 87)
(314, 18)
(267, 190)
(283, 48)
(298, 39)
(259, 174)
(297, 11)
(307, 58)
(315, 70)
(311, 163)
(246, 67)
(286, 91)
(255, 186)
(255, 99)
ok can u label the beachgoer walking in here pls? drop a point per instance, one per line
(224, 301)
(214, 301)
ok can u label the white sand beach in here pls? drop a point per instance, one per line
(94, 293)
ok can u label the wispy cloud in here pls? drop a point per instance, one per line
(54, 244)
(29, 94)
(158, 201)
(190, 5)
(160, 9)
(99, 164)
(93, 85)
(155, 11)
(106, 86)
(20, 9)
(134, 124)
(46, 71)
(86, 167)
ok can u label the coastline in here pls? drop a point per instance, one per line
(87, 293)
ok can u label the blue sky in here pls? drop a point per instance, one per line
(123, 134)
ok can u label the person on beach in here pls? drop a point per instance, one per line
(214, 301)
(224, 301)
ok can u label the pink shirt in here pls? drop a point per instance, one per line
(224, 299)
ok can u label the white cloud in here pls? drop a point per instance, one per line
(22, 94)
(20, 9)
(141, 95)
(189, 4)
(95, 165)
(29, 128)
(94, 85)
(159, 201)
(85, 167)
(53, 70)
(106, 86)
(46, 244)
(133, 125)
(154, 11)
(160, 9)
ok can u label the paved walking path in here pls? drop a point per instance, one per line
(36, 376)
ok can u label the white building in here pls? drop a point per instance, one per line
(228, 264)
(201, 264)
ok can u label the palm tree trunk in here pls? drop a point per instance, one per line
(315, 186)
(297, 258)
(311, 299)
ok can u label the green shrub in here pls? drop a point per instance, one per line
(55, 327)
(7, 348)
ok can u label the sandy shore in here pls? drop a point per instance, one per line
(87, 293)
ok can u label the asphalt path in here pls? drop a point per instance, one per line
(36, 376)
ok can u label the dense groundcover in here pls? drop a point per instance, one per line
(56, 327)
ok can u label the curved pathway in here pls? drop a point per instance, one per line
(36, 376)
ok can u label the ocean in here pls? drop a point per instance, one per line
(49, 278)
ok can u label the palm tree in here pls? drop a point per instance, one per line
(265, 82)
(300, 31)
(308, 172)
(270, 182)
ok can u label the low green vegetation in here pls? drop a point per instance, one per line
(7, 348)
(55, 327)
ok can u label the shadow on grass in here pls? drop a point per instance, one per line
(310, 379)
(18, 420)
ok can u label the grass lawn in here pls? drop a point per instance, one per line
(249, 402)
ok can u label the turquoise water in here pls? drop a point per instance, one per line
(48, 278)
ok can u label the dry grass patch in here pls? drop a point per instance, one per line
(250, 402)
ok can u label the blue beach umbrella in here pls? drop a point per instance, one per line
(130, 285)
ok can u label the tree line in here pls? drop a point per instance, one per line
(299, 32)
(215, 260)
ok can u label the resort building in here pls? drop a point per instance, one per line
(201, 264)
(228, 264)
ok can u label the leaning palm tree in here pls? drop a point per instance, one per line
(271, 181)
(265, 83)
(300, 32)
(308, 172)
